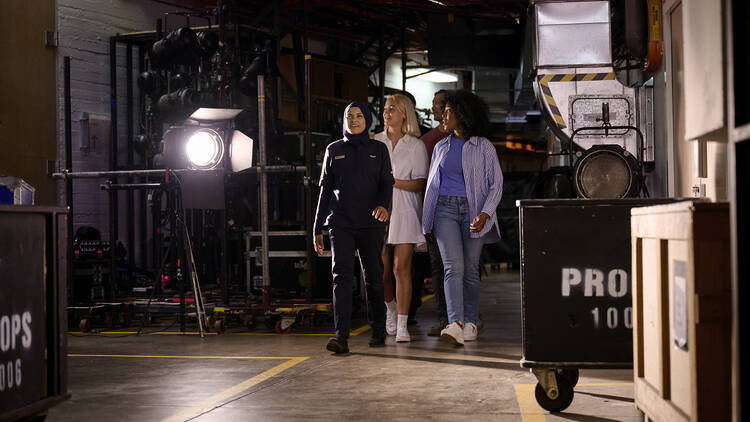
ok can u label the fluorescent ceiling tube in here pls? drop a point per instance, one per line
(432, 76)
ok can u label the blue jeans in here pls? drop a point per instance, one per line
(460, 254)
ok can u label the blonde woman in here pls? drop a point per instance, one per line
(410, 163)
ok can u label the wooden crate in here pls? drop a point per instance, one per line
(682, 311)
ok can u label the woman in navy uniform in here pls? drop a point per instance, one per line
(356, 185)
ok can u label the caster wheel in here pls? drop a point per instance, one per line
(219, 326)
(283, 331)
(563, 399)
(571, 375)
(83, 325)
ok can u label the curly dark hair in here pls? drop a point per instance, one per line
(471, 111)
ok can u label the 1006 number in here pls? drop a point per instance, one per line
(610, 318)
(10, 375)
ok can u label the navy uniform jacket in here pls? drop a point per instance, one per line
(356, 178)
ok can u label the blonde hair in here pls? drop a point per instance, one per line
(404, 105)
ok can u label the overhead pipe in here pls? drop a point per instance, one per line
(163, 172)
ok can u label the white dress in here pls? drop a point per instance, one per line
(408, 161)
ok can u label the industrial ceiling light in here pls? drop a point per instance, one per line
(431, 75)
(607, 172)
(204, 149)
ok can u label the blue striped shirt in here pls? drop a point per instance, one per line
(483, 179)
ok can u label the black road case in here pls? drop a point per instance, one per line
(33, 274)
(575, 290)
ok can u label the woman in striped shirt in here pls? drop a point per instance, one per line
(464, 187)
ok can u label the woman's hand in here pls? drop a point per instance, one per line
(478, 224)
(380, 213)
(318, 244)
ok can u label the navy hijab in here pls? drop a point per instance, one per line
(364, 136)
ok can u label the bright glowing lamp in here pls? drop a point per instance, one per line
(205, 149)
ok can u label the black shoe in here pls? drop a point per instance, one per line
(437, 328)
(337, 345)
(377, 339)
(412, 321)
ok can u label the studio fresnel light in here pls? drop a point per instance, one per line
(204, 149)
(208, 141)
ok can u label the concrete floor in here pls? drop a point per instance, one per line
(245, 376)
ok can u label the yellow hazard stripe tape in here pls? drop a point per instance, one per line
(545, 79)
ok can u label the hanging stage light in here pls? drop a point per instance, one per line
(607, 172)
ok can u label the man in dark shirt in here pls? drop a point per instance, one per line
(437, 134)
(430, 139)
(356, 186)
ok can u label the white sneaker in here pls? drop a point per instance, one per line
(390, 322)
(470, 331)
(402, 335)
(453, 334)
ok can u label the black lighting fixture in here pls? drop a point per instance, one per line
(208, 144)
(607, 172)
(555, 182)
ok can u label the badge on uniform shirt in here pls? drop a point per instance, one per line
(338, 157)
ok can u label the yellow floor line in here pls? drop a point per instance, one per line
(530, 409)
(359, 330)
(86, 355)
(215, 400)
(353, 333)
(193, 333)
(143, 333)
(281, 335)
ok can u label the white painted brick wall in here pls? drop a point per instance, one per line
(84, 28)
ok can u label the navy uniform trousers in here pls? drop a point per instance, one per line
(369, 243)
